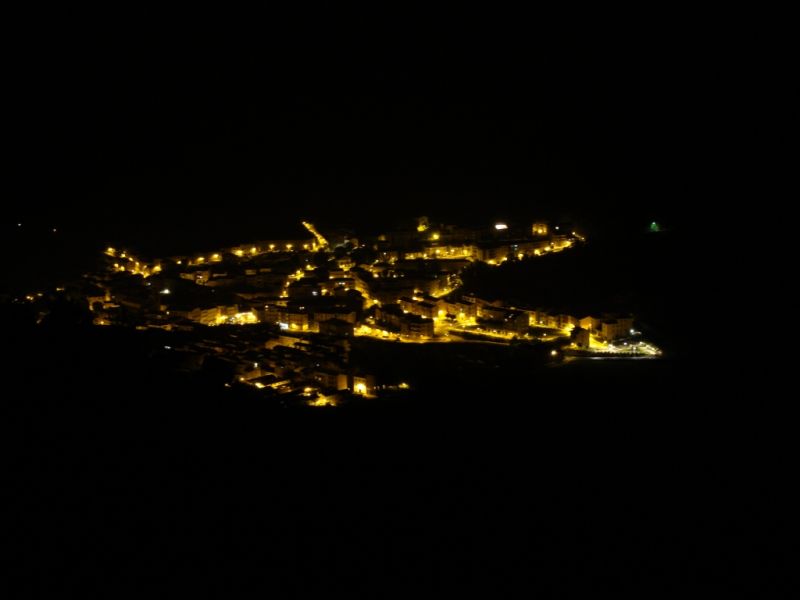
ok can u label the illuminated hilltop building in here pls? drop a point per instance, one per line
(540, 229)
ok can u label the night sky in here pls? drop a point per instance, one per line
(192, 136)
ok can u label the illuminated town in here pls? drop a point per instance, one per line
(282, 316)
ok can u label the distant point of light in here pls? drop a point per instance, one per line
(554, 353)
(55, 230)
(166, 291)
(19, 224)
(501, 226)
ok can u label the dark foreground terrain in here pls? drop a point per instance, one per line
(642, 478)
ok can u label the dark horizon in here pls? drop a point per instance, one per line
(163, 137)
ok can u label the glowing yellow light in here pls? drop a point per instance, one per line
(520, 256)
(260, 385)
(201, 259)
(323, 401)
(435, 237)
(110, 251)
(501, 226)
(253, 250)
(239, 253)
(272, 246)
(360, 388)
(553, 353)
(404, 386)
(215, 257)
(320, 239)
(289, 247)
(305, 246)
(180, 262)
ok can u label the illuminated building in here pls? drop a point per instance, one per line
(504, 320)
(346, 263)
(608, 327)
(303, 289)
(613, 329)
(428, 310)
(330, 379)
(271, 313)
(390, 315)
(581, 338)
(463, 311)
(413, 326)
(294, 319)
(540, 229)
(363, 385)
(341, 313)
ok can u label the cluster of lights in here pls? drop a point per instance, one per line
(360, 387)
